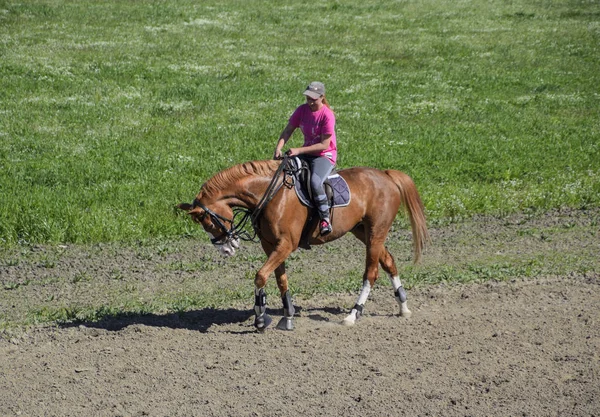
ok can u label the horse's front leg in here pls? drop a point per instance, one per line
(261, 320)
(286, 322)
(275, 260)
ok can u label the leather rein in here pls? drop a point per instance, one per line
(238, 224)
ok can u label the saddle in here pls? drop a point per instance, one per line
(336, 188)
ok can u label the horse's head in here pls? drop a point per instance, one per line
(217, 222)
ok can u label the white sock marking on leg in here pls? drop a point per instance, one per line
(395, 282)
(364, 294)
(362, 299)
(404, 311)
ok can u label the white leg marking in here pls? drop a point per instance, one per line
(364, 294)
(404, 311)
(395, 282)
(362, 299)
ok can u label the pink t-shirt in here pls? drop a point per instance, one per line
(313, 125)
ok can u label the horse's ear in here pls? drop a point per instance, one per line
(185, 206)
(197, 211)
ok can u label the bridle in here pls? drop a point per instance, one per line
(238, 225)
(237, 229)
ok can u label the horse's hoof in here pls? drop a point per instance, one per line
(285, 324)
(261, 323)
(354, 315)
(406, 313)
(349, 321)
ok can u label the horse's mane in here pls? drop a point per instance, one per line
(225, 179)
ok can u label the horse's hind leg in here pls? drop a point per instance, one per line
(389, 266)
(357, 310)
(374, 250)
(387, 263)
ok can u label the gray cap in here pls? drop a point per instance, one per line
(315, 90)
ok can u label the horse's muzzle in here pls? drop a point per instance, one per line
(228, 247)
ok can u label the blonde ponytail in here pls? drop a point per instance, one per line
(326, 103)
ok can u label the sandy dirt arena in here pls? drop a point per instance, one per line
(522, 347)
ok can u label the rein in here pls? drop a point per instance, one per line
(271, 191)
(238, 227)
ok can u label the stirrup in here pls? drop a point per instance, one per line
(324, 227)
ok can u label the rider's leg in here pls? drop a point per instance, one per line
(321, 167)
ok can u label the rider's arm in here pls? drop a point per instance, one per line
(317, 147)
(283, 138)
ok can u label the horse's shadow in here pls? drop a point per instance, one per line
(197, 320)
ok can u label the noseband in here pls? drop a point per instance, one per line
(236, 231)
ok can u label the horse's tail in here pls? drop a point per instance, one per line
(414, 208)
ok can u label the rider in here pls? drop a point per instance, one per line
(317, 122)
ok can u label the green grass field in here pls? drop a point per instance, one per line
(113, 111)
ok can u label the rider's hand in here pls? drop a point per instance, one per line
(277, 154)
(293, 152)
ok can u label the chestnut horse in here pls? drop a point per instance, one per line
(262, 189)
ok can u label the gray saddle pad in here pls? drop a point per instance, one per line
(339, 186)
